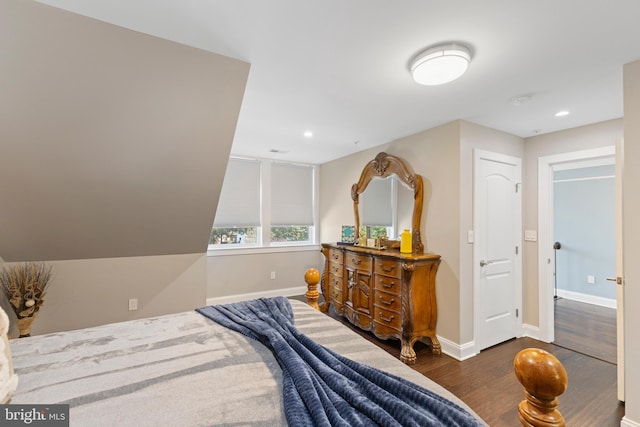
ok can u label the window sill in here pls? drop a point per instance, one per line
(263, 250)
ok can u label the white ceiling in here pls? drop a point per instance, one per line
(339, 68)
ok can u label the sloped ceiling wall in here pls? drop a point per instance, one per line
(112, 143)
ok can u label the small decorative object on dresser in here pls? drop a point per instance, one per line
(24, 287)
(348, 234)
(376, 285)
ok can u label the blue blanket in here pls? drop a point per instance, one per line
(322, 388)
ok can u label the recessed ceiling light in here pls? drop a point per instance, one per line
(562, 113)
(440, 64)
(308, 134)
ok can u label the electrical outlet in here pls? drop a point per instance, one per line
(273, 275)
(591, 279)
(133, 304)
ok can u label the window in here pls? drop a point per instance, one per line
(291, 202)
(237, 219)
(265, 203)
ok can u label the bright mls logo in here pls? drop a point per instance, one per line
(34, 415)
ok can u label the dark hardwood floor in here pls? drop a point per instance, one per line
(586, 328)
(488, 385)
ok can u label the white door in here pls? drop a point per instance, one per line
(497, 250)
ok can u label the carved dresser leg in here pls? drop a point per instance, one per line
(407, 353)
(544, 379)
(435, 345)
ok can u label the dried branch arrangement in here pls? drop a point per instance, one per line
(24, 286)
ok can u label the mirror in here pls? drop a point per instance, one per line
(388, 194)
(386, 206)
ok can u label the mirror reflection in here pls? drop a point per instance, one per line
(386, 205)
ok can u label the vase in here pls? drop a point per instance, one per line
(24, 326)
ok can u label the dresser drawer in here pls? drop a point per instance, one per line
(335, 269)
(357, 261)
(335, 255)
(388, 301)
(335, 294)
(388, 318)
(335, 281)
(388, 267)
(388, 284)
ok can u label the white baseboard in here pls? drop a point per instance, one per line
(626, 422)
(286, 292)
(459, 352)
(589, 299)
(531, 331)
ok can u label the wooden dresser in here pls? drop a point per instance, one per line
(385, 292)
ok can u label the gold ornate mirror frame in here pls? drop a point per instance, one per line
(383, 166)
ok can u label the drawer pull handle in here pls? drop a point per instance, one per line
(388, 320)
(356, 261)
(389, 286)
(336, 269)
(387, 302)
(336, 256)
(388, 269)
(334, 295)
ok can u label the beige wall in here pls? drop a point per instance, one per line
(443, 156)
(113, 150)
(434, 155)
(92, 292)
(114, 143)
(229, 275)
(631, 227)
(586, 137)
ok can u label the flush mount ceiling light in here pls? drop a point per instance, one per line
(440, 64)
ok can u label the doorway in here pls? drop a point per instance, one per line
(584, 234)
(546, 264)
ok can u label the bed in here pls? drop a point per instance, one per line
(180, 370)
(176, 370)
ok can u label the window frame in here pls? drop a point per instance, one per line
(264, 244)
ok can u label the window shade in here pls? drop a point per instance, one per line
(375, 203)
(291, 195)
(239, 203)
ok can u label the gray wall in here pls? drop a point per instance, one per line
(233, 275)
(585, 225)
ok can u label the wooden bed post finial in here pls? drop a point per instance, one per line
(544, 379)
(312, 277)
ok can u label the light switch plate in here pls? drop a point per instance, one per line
(530, 235)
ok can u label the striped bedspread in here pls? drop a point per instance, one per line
(176, 370)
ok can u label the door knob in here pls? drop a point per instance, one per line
(618, 280)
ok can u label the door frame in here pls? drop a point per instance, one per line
(517, 265)
(546, 261)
